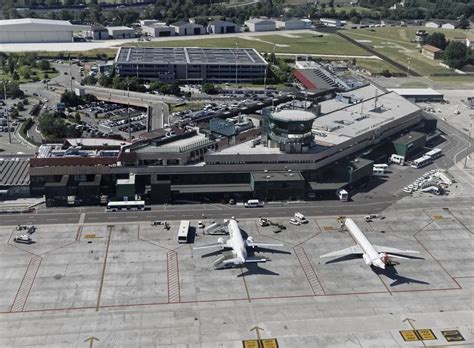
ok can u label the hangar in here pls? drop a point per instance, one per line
(31, 30)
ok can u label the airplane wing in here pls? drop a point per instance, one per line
(262, 245)
(383, 249)
(343, 252)
(213, 245)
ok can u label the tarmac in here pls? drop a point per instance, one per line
(130, 284)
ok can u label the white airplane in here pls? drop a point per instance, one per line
(373, 255)
(238, 246)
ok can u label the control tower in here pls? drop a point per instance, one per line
(289, 130)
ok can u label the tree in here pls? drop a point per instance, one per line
(456, 55)
(437, 40)
(70, 99)
(209, 88)
(25, 71)
(44, 65)
(52, 125)
(77, 117)
(464, 23)
(15, 76)
(20, 106)
(89, 80)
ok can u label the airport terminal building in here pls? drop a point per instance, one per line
(217, 65)
(287, 154)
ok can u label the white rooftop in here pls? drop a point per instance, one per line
(15, 24)
(415, 91)
(362, 93)
(356, 119)
(247, 149)
(293, 115)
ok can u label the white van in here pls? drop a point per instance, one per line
(253, 203)
(301, 218)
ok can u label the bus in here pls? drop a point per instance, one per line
(421, 162)
(125, 206)
(378, 171)
(253, 203)
(435, 153)
(183, 231)
(343, 195)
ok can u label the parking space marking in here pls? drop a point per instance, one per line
(308, 270)
(174, 295)
(26, 284)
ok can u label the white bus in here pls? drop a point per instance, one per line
(435, 153)
(183, 232)
(400, 160)
(421, 162)
(343, 195)
(253, 203)
(381, 165)
(126, 206)
(378, 171)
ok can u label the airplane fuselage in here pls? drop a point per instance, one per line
(236, 242)
(370, 256)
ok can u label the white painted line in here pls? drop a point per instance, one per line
(82, 218)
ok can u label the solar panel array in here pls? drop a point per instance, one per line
(159, 55)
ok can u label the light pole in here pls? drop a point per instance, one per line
(408, 69)
(128, 111)
(236, 62)
(468, 141)
(6, 110)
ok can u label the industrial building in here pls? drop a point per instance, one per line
(318, 77)
(158, 30)
(431, 52)
(419, 94)
(291, 154)
(183, 28)
(260, 24)
(292, 24)
(97, 33)
(222, 27)
(34, 30)
(191, 64)
(121, 32)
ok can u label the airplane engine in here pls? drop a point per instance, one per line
(366, 259)
(220, 240)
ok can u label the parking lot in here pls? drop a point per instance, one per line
(102, 119)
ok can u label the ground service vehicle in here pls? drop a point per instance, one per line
(253, 203)
(183, 231)
(125, 206)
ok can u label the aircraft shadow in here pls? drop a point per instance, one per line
(252, 251)
(391, 272)
(343, 258)
(255, 269)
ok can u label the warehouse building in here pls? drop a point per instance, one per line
(191, 64)
(33, 30)
(183, 28)
(431, 52)
(97, 33)
(260, 24)
(292, 24)
(222, 27)
(158, 30)
(121, 32)
(419, 94)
